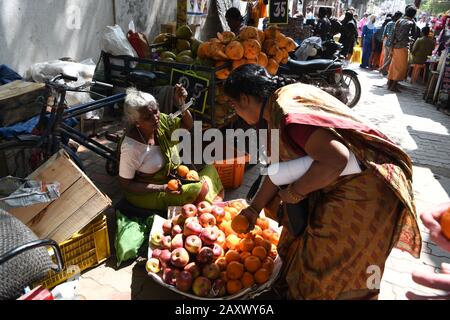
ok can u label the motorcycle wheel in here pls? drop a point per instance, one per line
(351, 84)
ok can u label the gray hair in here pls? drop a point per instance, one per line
(136, 100)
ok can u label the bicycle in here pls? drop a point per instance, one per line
(23, 154)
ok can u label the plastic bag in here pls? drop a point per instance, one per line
(115, 42)
(130, 236)
(19, 193)
(308, 48)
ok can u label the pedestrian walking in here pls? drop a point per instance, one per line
(367, 37)
(388, 38)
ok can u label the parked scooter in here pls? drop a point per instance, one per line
(327, 74)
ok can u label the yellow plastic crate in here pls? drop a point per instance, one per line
(86, 249)
(232, 171)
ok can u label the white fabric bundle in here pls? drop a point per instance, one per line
(285, 173)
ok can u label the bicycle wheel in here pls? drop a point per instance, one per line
(20, 158)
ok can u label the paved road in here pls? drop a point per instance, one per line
(421, 130)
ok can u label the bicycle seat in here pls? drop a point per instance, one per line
(308, 66)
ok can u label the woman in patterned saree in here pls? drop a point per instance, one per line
(354, 221)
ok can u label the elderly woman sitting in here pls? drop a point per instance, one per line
(148, 157)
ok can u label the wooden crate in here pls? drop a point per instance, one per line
(18, 101)
(80, 201)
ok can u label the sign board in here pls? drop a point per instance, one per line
(195, 85)
(279, 11)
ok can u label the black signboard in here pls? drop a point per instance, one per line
(278, 11)
(196, 86)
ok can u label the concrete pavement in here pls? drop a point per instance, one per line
(421, 130)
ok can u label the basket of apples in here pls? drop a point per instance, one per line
(197, 252)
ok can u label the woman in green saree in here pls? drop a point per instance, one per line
(149, 156)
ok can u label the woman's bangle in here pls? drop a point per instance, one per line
(294, 194)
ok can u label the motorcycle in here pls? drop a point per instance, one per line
(331, 75)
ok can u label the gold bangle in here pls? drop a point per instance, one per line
(294, 194)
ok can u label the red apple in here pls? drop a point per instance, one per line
(153, 266)
(218, 251)
(176, 230)
(170, 276)
(164, 257)
(180, 258)
(207, 220)
(184, 281)
(167, 242)
(156, 239)
(189, 210)
(167, 227)
(205, 256)
(211, 271)
(218, 213)
(177, 242)
(191, 220)
(221, 239)
(209, 236)
(192, 229)
(156, 253)
(204, 207)
(193, 244)
(219, 288)
(194, 269)
(202, 287)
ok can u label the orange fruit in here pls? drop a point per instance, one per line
(267, 234)
(232, 242)
(222, 263)
(263, 223)
(247, 280)
(173, 185)
(240, 224)
(237, 205)
(268, 264)
(262, 276)
(252, 264)
(257, 231)
(246, 245)
(260, 252)
(267, 245)
(234, 286)
(223, 276)
(232, 255)
(233, 212)
(259, 241)
(235, 270)
(273, 252)
(182, 171)
(275, 239)
(227, 216)
(245, 255)
(445, 224)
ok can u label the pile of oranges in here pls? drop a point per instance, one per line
(249, 257)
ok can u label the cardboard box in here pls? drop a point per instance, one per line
(18, 101)
(80, 201)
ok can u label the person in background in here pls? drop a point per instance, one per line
(422, 23)
(440, 281)
(402, 37)
(367, 37)
(377, 46)
(323, 27)
(385, 23)
(362, 23)
(388, 37)
(422, 48)
(310, 18)
(235, 20)
(349, 35)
